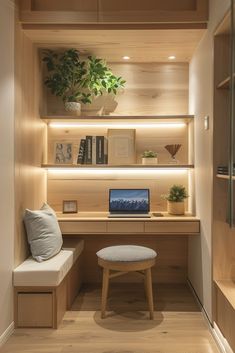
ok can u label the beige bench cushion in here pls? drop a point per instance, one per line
(75, 245)
(47, 273)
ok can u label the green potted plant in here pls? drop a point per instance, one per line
(149, 157)
(78, 81)
(175, 200)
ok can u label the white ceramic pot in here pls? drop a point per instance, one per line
(149, 161)
(73, 107)
(175, 208)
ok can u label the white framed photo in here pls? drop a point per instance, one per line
(63, 153)
(70, 206)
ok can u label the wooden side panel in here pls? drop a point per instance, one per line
(30, 179)
(171, 265)
(35, 309)
(74, 282)
(225, 318)
(61, 301)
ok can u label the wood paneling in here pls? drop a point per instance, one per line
(30, 179)
(41, 11)
(125, 227)
(142, 45)
(92, 194)
(150, 89)
(83, 227)
(172, 227)
(171, 264)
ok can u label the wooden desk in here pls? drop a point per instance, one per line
(99, 223)
(168, 235)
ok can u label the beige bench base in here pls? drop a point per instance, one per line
(46, 306)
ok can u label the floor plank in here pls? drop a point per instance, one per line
(178, 325)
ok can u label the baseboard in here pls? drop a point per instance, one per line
(221, 341)
(6, 334)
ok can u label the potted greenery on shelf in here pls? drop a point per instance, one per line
(175, 200)
(78, 81)
(149, 157)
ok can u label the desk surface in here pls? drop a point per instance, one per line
(99, 223)
(103, 216)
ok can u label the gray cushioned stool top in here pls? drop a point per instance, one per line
(126, 253)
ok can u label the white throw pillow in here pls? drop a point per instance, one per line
(43, 233)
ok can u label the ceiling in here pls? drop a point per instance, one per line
(144, 45)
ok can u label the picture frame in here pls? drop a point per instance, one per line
(63, 153)
(121, 146)
(70, 206)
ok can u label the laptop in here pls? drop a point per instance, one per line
(129, 203)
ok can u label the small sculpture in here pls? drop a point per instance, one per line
(173, 149)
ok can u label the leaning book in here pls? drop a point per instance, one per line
(121, 146)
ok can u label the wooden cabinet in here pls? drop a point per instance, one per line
(122, 11)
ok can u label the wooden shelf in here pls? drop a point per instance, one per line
(222, 176)
(106, 166)
(110, 118)
(227, 287)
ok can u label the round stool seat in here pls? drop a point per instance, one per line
(126, 253)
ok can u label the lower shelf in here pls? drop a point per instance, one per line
(227, 287)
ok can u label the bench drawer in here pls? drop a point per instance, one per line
(125, 227)
(82, 227)
(34, 310)
(172, 227)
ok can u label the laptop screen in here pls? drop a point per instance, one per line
(129, 200)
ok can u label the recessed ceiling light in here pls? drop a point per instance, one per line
(126, 57)
(171, 57)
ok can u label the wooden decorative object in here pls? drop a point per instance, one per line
(173, 149)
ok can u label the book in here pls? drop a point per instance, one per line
(99, 149)
(93, 150)
(81, 152)
(88, 150)
(121, 146)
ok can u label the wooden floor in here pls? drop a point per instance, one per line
(178, 327)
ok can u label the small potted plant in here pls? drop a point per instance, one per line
(78, 81)
(149, 157)
(175, 200)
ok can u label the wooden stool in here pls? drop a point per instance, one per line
(123, 259)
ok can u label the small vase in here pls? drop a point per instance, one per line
(149, 160)
(175, 208)
(73, 107)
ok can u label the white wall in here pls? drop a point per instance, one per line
(6, 166)
(201, 104)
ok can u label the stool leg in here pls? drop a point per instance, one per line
(149, 292)
(105, 287)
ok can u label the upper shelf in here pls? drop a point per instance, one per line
(108, 166)
(111, 118)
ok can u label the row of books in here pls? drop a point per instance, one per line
(223, 170)
(93, 150)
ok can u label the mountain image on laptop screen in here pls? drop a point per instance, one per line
(129, 200)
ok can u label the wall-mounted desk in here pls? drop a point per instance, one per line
(168, 235)
(99, 223)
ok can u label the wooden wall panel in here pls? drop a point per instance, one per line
(171, 266)
(92, 195)
(30, 179)
(151, 88)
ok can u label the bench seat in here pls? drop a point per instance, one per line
(44, 290)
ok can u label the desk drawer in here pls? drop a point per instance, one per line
(172, 227)
(125, 227)
(82, 227)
